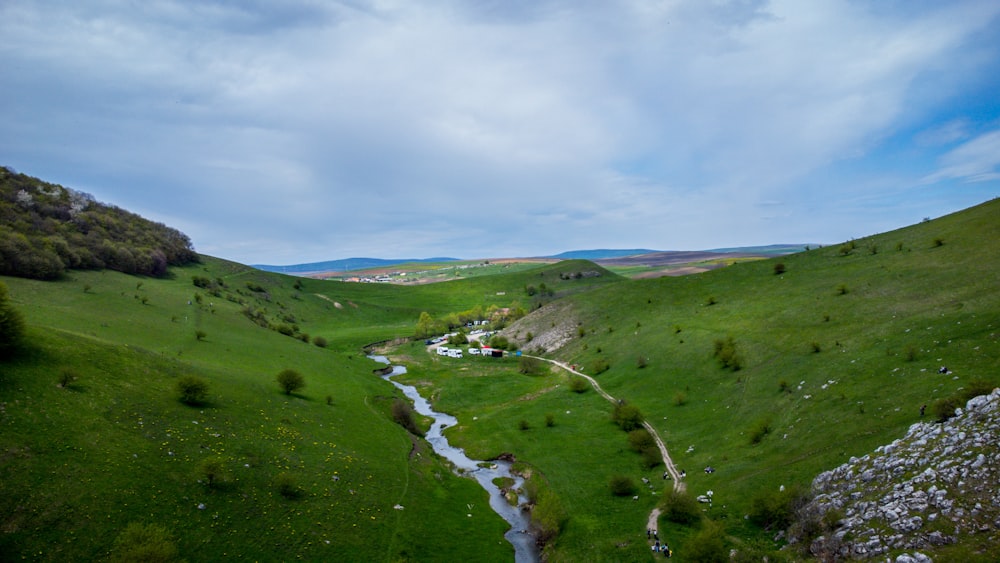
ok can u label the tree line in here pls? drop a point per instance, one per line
(47, 229)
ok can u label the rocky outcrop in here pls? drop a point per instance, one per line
(932, 487)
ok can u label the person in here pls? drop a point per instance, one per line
(922, 409)
(648, 532)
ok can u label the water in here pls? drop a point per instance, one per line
(483, 472)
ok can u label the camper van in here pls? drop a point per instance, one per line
(442, 350)
(455, 353)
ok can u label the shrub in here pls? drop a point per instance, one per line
(640, 439)
(842, 289)
(547, 516)
(938, 241)
(290, 381)
(150, 543)
(779, 268)
(651, 457)
(530, 366)
(815, 347)
(680, 508)
(725, 352)
(600, 365)
(524, 425)
(707, 546)
(783, 387)
(711, 300)
(550, 420)
(200, 335)
(67, 376)
(213, 472)
(621, 485)
(12, 325)
(288, 485)
(775, 510)
(761, 427)
(192, 390)
(578, 384)
(641, 362)
(627, 417)
(319, 341)
(680, 398)
(402, 413)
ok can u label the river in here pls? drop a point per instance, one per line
(484, 472)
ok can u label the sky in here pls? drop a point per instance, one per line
(296, 131)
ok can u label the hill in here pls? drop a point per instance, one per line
(345, 265)
(46, 229)
(769, 371)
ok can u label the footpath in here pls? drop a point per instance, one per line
(675, 475)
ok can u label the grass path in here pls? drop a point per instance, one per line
(679, 485)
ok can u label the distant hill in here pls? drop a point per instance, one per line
(352, 264)
(599, 254)
(345, 265)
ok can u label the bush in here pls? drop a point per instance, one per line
(680, 398)
(779, 268)
(288, 485)
(213, 472)
(640, 439)
(626, 416)
(290, 381)
(200, 335)
(761, 427)
(524, 425)
(192, 390)
(707, 546)
(725, 352)
(641, 362)
(775, 510)
(680, 508)
(530, 366)
(67, 376)
(146, 543)
(12, 325)
(402, 413)
(600, 365)
(547, 516)
(621, 485)
(550, 420)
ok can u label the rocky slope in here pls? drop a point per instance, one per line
(935, 486)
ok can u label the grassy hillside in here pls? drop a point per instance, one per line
(115, 446)
(836, 355)
(837, 349)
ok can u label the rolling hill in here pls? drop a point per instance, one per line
(768, 371)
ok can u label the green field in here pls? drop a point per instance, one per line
(836, 355)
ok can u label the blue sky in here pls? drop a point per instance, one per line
(307, 130)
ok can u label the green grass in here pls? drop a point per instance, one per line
(78, 464)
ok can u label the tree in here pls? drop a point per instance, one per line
(192, 390)
(290, 381)
(11, 324)
(680, 508)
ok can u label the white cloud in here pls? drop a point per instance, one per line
(312, 127)
(976, 160)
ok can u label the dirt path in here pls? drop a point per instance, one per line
(679, 484)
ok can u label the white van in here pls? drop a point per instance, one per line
(442, 350)
(456, 353)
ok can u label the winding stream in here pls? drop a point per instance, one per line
(483, 472)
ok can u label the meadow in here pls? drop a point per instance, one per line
(826, 354)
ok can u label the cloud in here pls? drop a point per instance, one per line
(976, 160)
(305, 130)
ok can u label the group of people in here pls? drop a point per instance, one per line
(657, 546)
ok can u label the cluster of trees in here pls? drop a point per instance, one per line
(427, 325)
(46, 229)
